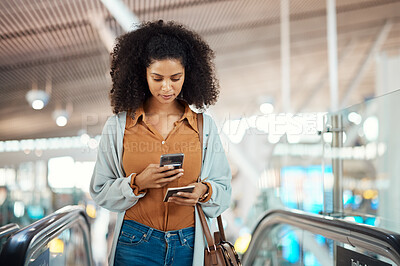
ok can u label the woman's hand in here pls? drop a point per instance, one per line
(155, 176)
(189, 199)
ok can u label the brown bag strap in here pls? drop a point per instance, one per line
(221, 228)
(206, 230)
(200, 129)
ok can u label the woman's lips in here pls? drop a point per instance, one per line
(166, 97)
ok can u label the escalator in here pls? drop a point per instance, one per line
(282, 237)
(291, 237)
(62, 238)
(6, 231)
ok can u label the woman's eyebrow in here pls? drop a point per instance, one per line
(180, 73)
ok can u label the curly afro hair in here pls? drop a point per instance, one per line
(159, 40)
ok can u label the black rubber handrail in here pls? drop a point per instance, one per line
(8, 229)
(23, 243)
(371, 238)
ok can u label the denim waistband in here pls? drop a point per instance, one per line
(151, 232)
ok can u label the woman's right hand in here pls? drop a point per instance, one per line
(155, 176)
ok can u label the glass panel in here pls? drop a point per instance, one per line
(288, 245)
(294, 174)
(370, 152)
(67, 249)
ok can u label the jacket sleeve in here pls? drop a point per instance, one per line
(218, 173)
(109, 187)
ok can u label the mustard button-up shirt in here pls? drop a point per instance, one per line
(143, 145)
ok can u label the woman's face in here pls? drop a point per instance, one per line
(165, 78)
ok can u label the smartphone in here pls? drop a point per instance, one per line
(176, 160)
(172, 191)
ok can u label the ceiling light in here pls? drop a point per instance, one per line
(61, 117)
(85, 138)
(266, 108)
(354, 117)
(266, 104)
(371, 128)
(37, 98)
(92, 143)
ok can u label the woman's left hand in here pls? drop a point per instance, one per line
(189, 199)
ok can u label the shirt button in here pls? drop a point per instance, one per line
(163, 142)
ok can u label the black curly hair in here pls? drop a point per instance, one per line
(159, 40)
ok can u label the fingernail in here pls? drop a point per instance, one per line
(170, 167)
(180, 170)
(179, 193)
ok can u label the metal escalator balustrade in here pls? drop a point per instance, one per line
(306, 228)
(6, 231)
(62, 238)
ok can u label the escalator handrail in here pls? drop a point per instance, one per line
(339, 229)
(17, 248)
(8, 229)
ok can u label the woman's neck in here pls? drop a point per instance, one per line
(152, 107)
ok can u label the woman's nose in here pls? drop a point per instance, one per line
(166, 85)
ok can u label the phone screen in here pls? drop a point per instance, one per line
(176, 160)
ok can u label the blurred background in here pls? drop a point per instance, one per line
(308, 104)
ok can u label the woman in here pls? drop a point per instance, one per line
(157, 72)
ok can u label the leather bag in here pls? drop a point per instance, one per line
(218, 250)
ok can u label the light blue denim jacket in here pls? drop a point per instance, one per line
(110, 188)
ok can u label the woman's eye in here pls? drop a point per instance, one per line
(157, 79)
(175, 80)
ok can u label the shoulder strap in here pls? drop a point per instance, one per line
(200, 211)
(200, 129)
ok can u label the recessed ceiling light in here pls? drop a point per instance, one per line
(37, 99)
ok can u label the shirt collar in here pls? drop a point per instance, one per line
(139, 113)
(188, 114)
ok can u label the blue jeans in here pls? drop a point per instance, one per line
(139, 244)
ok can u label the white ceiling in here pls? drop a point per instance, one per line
(43, 39)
